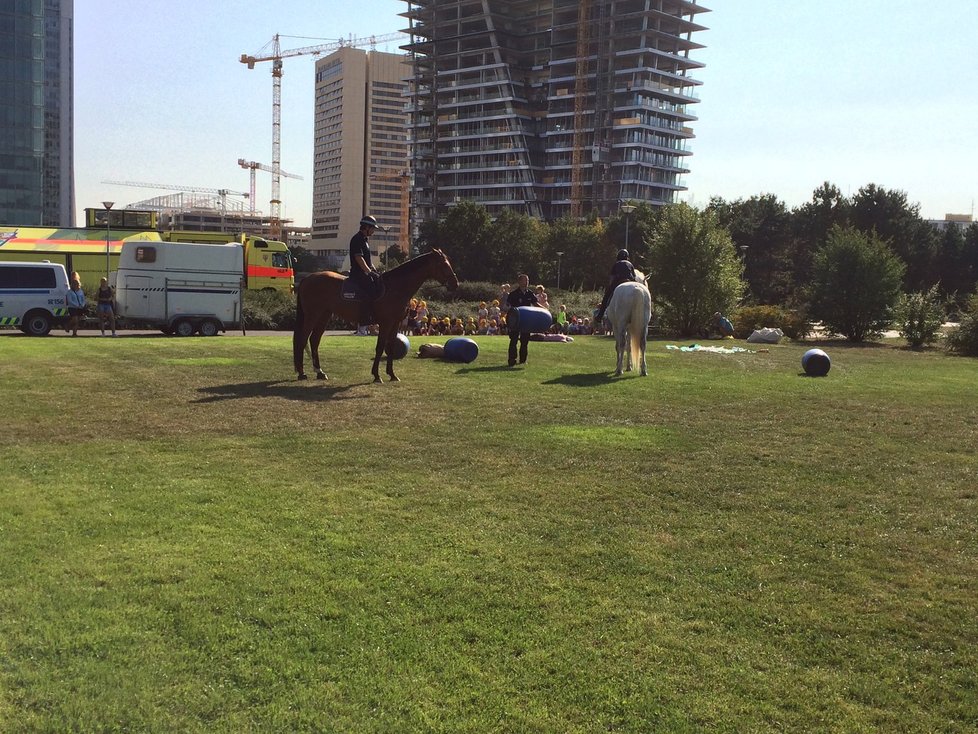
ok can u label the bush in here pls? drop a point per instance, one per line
(963, 339)
(747, 319)
(268, 309)
(919, 317)
(856, 284)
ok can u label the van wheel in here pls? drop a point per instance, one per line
(183, 327)
(37, 323)
(209, 327)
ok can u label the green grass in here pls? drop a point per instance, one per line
(190, 540)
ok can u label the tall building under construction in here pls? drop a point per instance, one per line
(552, 107)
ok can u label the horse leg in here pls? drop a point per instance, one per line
(391, 332)
(314, 338)
(299, 339)
(620, 336)
(378, 353)
(642, 343)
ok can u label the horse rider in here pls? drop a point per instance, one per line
(621, 272)
(362, 272)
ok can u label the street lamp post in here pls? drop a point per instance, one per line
(628, 209)
(559, 255)
(108, 226)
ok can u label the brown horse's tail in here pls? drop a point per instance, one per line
(299, 336)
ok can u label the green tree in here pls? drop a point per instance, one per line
(587, 254)
(811, 224)
(856, 284)
(462, 234)
(694, 270)
(516, 246)
(305, 261)
(898, 223)
(760, 227)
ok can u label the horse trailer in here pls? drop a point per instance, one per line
(181, 288)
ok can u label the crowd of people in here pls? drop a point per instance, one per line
(489, 318)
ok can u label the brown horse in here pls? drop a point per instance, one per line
(318, 298)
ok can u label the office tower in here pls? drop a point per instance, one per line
(36, 153)
(552, 107)
(360, 152)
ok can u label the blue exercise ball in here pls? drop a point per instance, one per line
(816, 363)
(461, 349)
(398, 347)
(531, 319)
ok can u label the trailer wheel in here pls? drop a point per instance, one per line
(209, 327)
(37, 323)
(184, 327)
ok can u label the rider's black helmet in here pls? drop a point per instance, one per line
(623, 254)
(369, 221)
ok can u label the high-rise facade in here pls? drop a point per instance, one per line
(360, 153)
(552, 107)
(36, 113)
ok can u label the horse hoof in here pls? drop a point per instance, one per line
(617, 373)
(321, 376)
(302, 376)
(394, 378)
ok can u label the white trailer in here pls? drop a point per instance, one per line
(182, 288)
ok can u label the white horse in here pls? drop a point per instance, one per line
(629, 313)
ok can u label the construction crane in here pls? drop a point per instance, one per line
(223, 193)
(403, 238)
(255, 166)
(580, 99)
(272, 51)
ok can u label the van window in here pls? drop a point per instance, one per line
(145, 254)
(24, 277)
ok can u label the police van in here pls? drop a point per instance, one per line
(32, 296)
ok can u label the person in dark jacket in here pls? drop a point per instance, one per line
(621, 272)
(362, 272)
(521, 295)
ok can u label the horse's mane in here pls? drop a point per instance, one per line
(415, 263)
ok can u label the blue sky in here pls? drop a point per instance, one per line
(794, 94)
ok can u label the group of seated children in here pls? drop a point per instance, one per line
(489, 320)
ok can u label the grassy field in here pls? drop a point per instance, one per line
(190, 540)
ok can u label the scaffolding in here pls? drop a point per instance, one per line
(555, 107)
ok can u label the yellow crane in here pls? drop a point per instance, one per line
(272, 51)
(256, 166)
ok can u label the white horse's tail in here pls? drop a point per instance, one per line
(638, 327)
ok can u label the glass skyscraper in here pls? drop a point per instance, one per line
(36, 150)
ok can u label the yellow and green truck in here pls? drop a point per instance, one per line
(93, 252)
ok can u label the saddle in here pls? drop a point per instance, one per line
(357, 291)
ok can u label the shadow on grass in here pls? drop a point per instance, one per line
(587, 380)
(844, 344)
(490, 368)
(315, 391)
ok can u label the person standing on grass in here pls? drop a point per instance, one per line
(521, 295)
(106, 306)
(75, 300)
